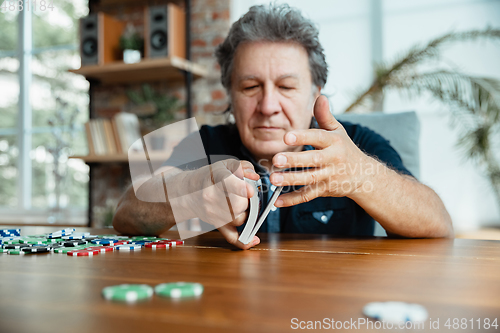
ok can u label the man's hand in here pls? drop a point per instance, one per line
(338, 168)
(334, 167)
(229, 230)
(216, 194)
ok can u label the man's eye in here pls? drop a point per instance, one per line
(285, 88)
(251, 87)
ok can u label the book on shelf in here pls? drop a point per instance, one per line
(112, 136)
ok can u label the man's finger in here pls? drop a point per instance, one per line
(249, 170)
(231, 235)
(304, 177)
(323, 115)
(318, 138)
(304, 194)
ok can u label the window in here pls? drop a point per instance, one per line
(37, 47)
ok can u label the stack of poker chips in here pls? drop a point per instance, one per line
(10, 233)
(78, 244)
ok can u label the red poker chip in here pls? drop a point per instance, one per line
(174, 242)
(101, 249)
(120, 243)
(158, 245)
(83, 253)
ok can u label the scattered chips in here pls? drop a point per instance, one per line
(179, 289)
(395, 312)
(128, 292)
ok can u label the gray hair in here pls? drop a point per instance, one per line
(273, 23)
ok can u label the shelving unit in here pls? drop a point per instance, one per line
(147, 70)
(171, 69)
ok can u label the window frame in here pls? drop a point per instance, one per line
(24, 213)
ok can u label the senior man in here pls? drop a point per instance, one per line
(337, 177)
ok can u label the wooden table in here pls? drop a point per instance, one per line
(308, 277)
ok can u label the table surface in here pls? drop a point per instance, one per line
(307, 277)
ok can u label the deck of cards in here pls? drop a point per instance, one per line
(257, 215)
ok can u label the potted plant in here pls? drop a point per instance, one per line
(474, 101)
(132, 45)
(153, 109)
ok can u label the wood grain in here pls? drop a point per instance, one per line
(309, 277)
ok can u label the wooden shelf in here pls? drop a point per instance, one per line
(102, 158)
(122, 158)
(146, 70)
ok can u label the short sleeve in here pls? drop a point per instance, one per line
(375, 145)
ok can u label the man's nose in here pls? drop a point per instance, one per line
(270, 102)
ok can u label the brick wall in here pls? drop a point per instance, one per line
(209, 26)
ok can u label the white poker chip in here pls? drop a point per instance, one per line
(77, 235)
(128, 247)
(395, 312)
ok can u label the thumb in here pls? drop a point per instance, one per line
(323, 116)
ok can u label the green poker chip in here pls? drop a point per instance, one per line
(141, 238)
(129, 293)
(33, 240)
(4, 251)
(17, 252)
(179, 289)
(67, 249)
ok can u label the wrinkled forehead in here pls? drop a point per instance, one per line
(270, 60)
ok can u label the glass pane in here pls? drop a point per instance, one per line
(55, 177)
(9, 87)
(8, 28)
(58, 23)
(8, 171)
(52, 81)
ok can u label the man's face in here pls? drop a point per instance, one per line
(271, 94)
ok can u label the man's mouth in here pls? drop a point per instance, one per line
(267, 128)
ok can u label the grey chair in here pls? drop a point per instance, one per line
(403, 132)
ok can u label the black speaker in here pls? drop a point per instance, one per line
(89, 40)
(165, 31)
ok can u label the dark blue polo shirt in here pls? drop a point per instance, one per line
(327, 215)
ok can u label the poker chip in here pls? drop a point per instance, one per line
(32, 240)
(128, 292)
(35, 249)
(10, 240)
(83, 253)
(175, 242)
(143, 242)
(179, 289)
(54, 246)
(15, 246)
(143, 238)
(77, 235)
(128, 247)
(104, 241)
(101, 249)
(395, 312)
(157, 245)
(60, 233)
(73, 243)
(17, 252)
(4, 251)
(63, 250)
(121, 242)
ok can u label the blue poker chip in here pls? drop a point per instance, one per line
(143, 242)
(105, 241)
(128, 247)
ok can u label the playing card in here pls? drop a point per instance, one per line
(256, 215)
